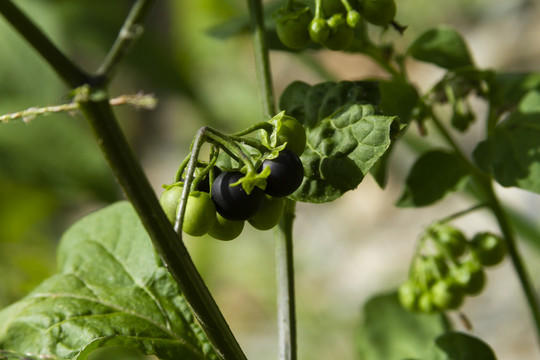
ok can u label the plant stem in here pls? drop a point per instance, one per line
(285, 282)
(283, 238)
(168, 244)
(485, 185)
(59, 62)
(262, 60)
(129, 33)
(517, 262)
(94, 105)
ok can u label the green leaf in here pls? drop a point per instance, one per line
(530, 103)
(9, 355)
(293, 98)
(112, 288)
(390, 332)
(442, 46)
(346, 135)
(398, 98)
(507, 89)
(460, 346)
(512, 153)
(341, 150)
(434, 175)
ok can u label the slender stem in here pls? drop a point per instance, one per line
(285, 281)
(485, 185)
(262, 60)
(59, 62)
(129, 33)
(283, 244)
(462, 213)
(517, 262)
(195, 149)
(168, 244)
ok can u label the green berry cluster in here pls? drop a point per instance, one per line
(448, 267)
(330, 23)
(219, 203)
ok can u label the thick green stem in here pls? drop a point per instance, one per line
(129, 33)
(285, 281)
(64, 67)
(262, 60)
(168, 244)
(94, 104)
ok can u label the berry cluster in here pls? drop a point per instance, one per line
(219, 201)
(454, 268)
(330, 23)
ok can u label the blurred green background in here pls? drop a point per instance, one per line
(51, 171)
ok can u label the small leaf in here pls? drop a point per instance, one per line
(460, 346)
(512, 152)
(442, 46)
(433, 175)
(390, 332)
(112, 288)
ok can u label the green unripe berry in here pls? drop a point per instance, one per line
(353, 18)
(452, 239)
(319, 30)
(292, 27)
(447, 294)
(270, 213)
(200, 211)
(426, 304)
(225, 229)
(408, 295)
(489, 248)
(470, 276)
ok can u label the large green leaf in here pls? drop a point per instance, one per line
(389, 332)
(512, 152)
(112, 290)
(433, 175)
(442, 46)
(346, 135)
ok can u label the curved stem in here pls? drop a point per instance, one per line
(285, 282)
(59, 62)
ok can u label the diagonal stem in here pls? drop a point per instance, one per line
(94, 104)
(168, 244)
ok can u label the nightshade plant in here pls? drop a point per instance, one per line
(117, 295)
